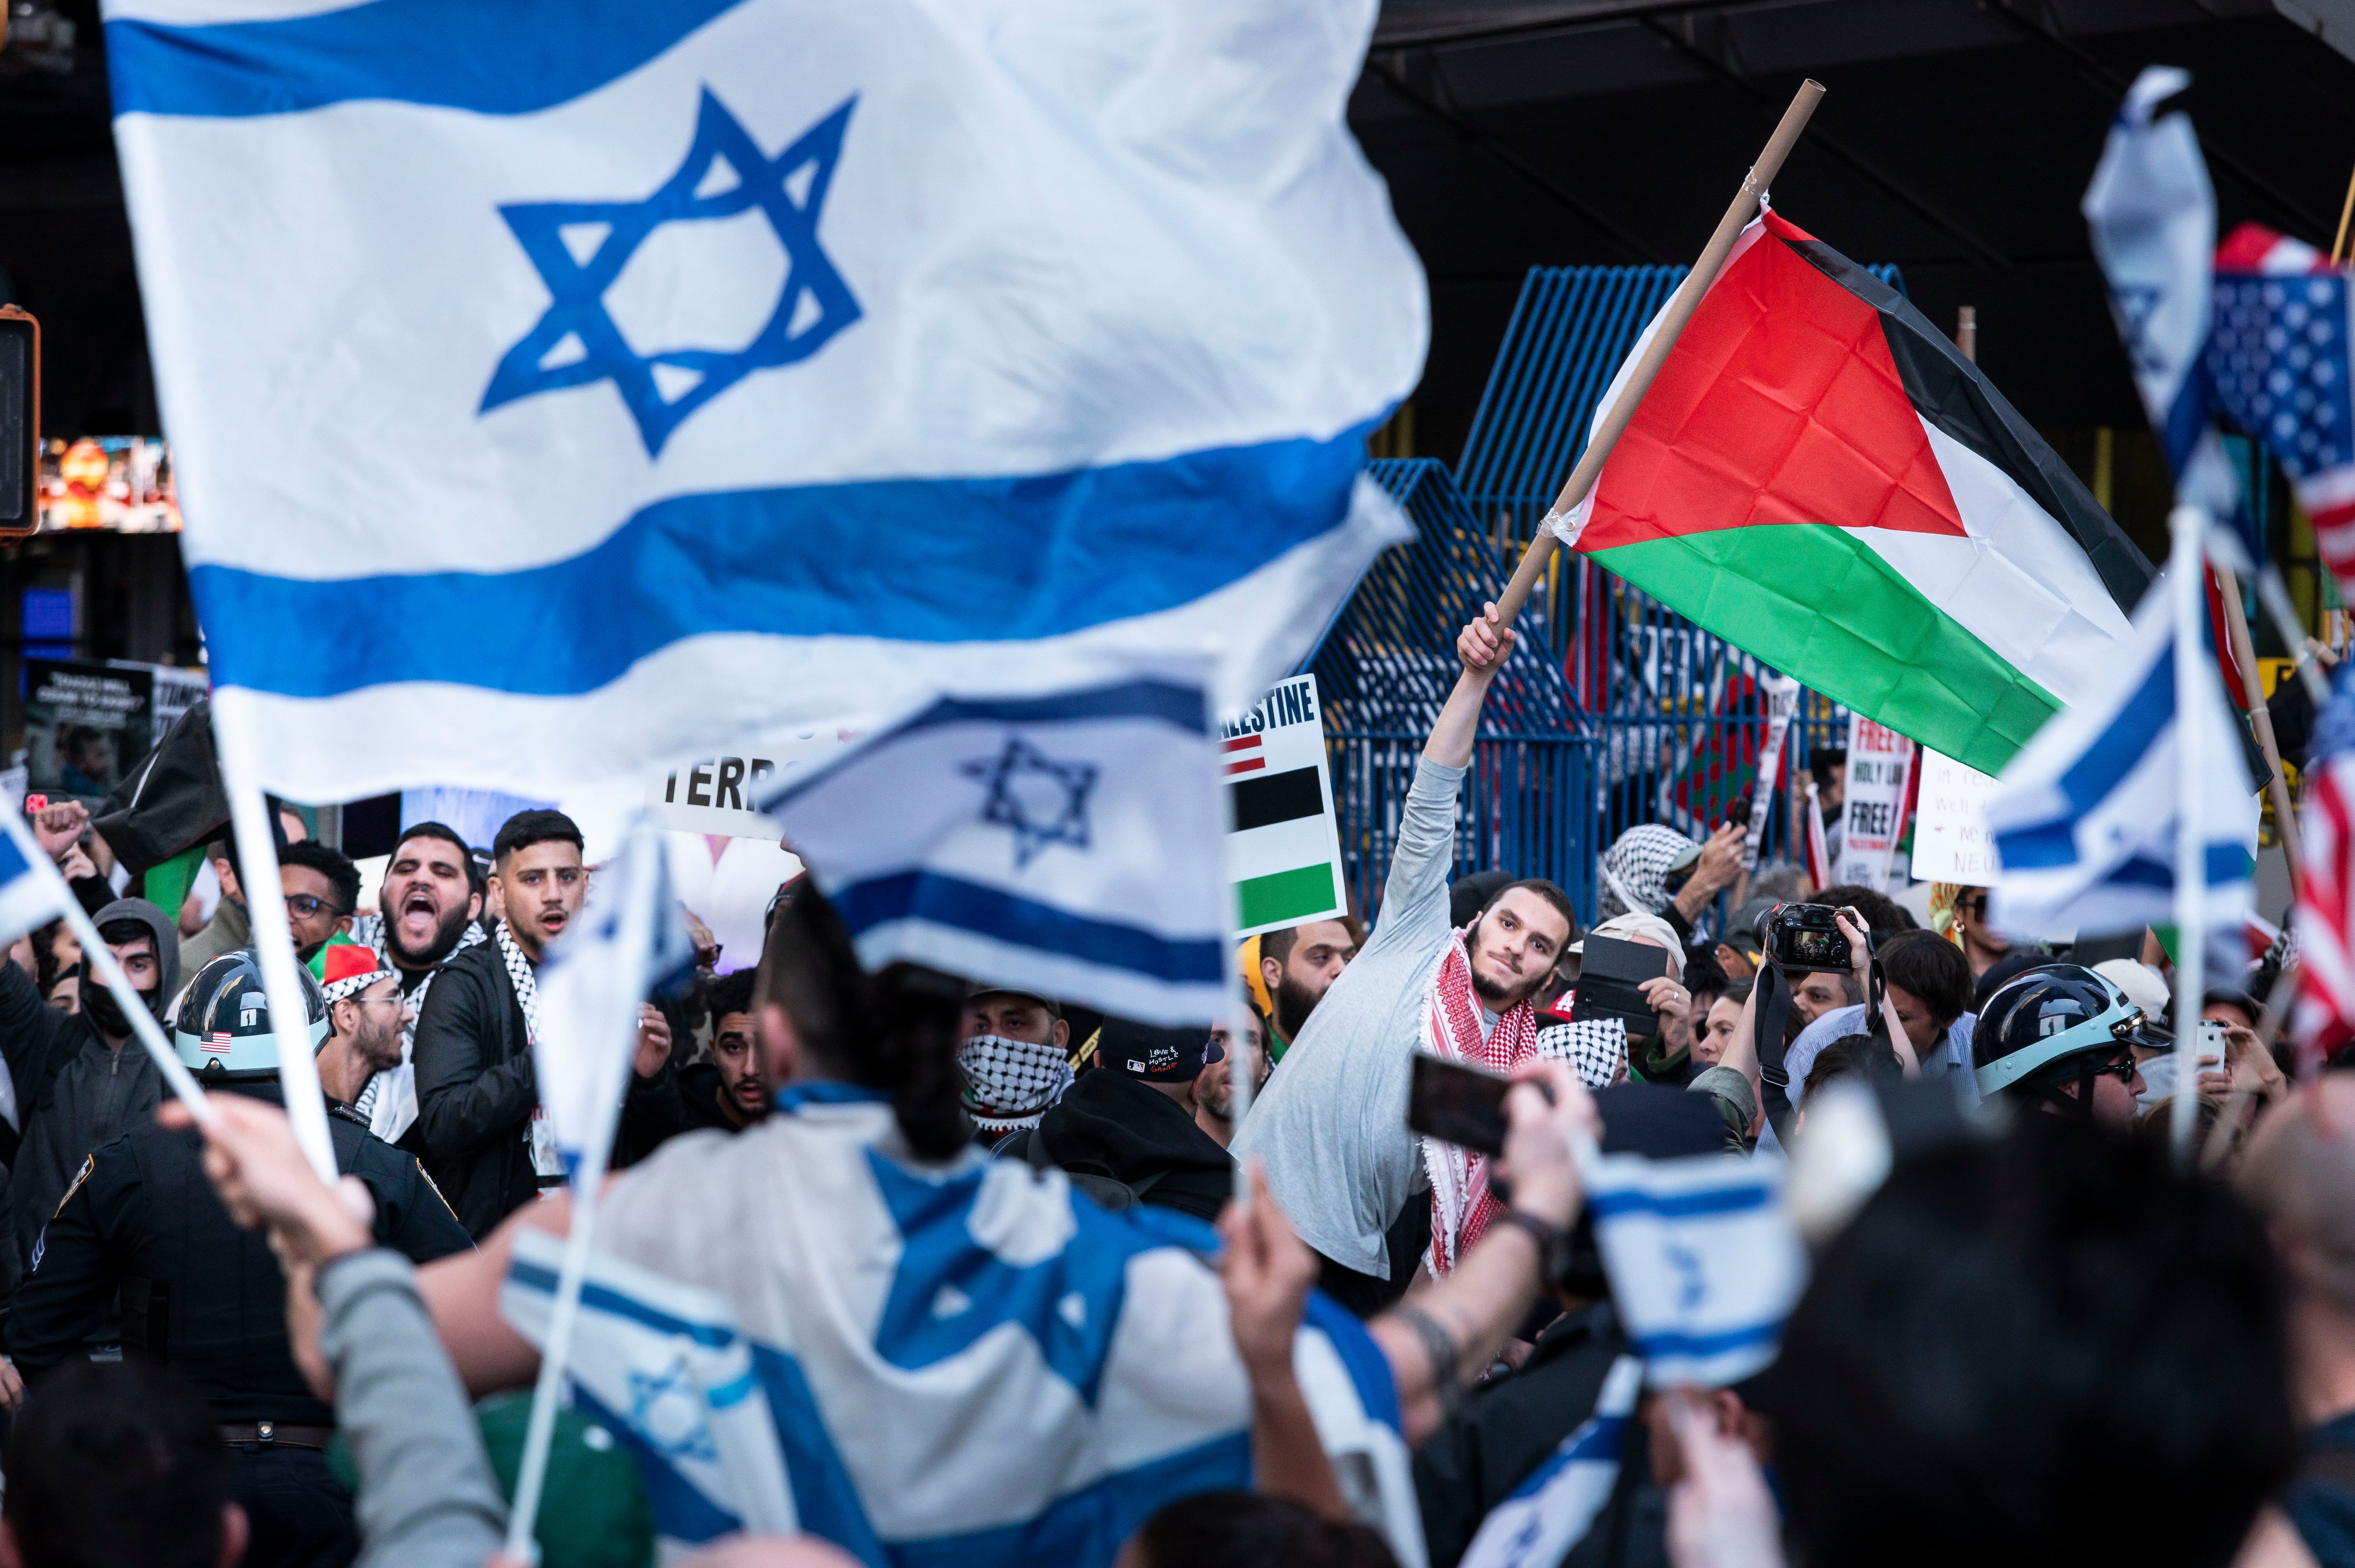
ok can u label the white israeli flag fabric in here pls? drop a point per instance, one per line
(2085, 817)
(593, 985)
(1703, 1260)
(970, 1365)
(32, 892)
(1540, 1519)
(1069, 844)
(619, 379)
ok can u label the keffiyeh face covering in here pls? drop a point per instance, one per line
(1015, 1079)
(1635, 869)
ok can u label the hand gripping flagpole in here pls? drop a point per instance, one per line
(101, 959)
(2189, 524)
(641, 888)
(1681, 306)
(273, 939)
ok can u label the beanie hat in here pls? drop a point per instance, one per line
(347, 968)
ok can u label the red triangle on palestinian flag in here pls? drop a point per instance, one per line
(1818, 476)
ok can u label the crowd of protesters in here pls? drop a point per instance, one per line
(2036, 1338)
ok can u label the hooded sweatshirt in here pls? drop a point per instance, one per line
(1109, 1124)
(80, 1092)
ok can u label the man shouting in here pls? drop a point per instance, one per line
(427, 915)
(1332, 1128)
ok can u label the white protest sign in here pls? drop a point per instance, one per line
(715, 795)
(1782, 703)
(1284, 851)
(1873, 807)
(1951, 841)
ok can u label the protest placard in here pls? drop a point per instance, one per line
(1951, 841)
(86, 725)
(715, 795)
(1872, 811)
(1283, 850)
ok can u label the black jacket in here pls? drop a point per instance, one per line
(477, 1092)
(698, 1098)
(198, 1292)
(1109, 1124)
(74, 1092)
(1506, 1427)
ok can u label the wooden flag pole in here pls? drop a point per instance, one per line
(2245, 654)
(1686, 301)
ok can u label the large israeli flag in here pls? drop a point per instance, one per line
(1067, 844)
(1553, 1510)
(970, 1365)
(562, 389)
(32, 892)
(1704, 1261)
(2085, 818)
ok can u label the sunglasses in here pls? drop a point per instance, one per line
(2124, 1068)
(306, 905)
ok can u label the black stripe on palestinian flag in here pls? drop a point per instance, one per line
(1951, 393)
(1277, 798)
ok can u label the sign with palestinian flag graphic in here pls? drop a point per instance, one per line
(1819, 477)
(1283, 851)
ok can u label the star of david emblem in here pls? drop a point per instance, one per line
(1042, 801)
(667, 1411)
(580, 249)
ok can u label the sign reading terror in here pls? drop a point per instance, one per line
(1283, 850)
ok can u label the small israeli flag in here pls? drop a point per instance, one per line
(1551, 1512)
(1069, 843)
(1704, 1262)
(632, 943)
(2086, 816)
(2152, 213)
(664, 1366)
(31, 892)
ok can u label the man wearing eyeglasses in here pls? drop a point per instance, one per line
(365, 1014)
(321, 888)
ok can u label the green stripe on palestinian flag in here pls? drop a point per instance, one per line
(1819, 477)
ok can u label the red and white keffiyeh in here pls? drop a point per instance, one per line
(1462, 1207)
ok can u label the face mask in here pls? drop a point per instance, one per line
(1012, 1078)
(104, 1011)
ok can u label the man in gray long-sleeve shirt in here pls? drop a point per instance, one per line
(1331, 1126)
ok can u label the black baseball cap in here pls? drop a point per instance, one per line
(1156, 1054)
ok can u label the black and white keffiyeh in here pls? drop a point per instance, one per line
(1016, 1079)
(1595, 1047)
(1635, 870)
(524, 977)
(389, 1100)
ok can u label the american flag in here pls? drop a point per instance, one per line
(2278, 363)
(2324, 1021)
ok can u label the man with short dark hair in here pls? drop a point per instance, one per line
(118, 1462)
(231, 928)
(727, 1092)
(1298, 964)
(1930, 986)
(1332, 1128)
(427, 909)
(1214, 1088)
(322, 888)
(486, 1144)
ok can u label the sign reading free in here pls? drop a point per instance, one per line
(1283, 850)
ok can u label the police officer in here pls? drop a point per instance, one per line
(141, 1220)
(2060, 1038)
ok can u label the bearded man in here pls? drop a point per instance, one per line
(428, 908)
(1331, 1130)
(1298, 964)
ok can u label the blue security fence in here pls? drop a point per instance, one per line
(1615, 710)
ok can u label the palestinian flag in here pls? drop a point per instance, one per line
(1819, 477)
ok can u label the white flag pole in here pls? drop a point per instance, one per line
(2188, 524)
(96, 953)
(274, 941)
(638, 912)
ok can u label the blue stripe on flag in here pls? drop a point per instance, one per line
(510, 57)
(603, 1299)
(1003, 916)
(1369, 1369)
(680, 1509)
(823, 1092)
(1010, 558)
(13, 864)
(1606, 1205)
(825, 1499)
(1089, 1525)
(2113, 754)
(1653, 1347)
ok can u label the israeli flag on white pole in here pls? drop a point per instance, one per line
(1540, 1519)
(2152, 214)
(1067, 844)
(1704, 1262)
(593, 985)
(558, 392)
(2086, 818)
